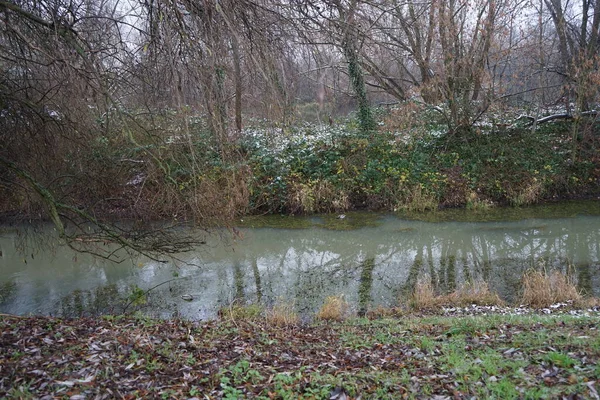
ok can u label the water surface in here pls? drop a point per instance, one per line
(370, 258)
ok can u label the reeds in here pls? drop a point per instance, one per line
(282, 314)
(477, 292)
(335, 308)
(541, 289)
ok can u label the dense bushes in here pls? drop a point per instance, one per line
(322, 169)
(167, 165)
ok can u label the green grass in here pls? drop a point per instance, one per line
(496, 357)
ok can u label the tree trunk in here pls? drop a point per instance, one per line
(237, 76)
(350, 50)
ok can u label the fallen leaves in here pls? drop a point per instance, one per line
(128, 357)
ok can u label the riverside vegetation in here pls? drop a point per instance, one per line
(407, 163)
(389, 354)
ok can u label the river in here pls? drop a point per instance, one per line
(371, 259)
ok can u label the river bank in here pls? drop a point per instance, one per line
(416, 356)
(307, 169)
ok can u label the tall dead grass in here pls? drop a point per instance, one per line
(335, 308)
(477, 292)
(423, 296)
(530, 193)
(214, 197)
(316, 196)
(542, 289)
(241, 312)
(419, 200)
(282, 314)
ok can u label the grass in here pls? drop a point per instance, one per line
(419, 200)
(531, 193)
(542, 289)
(476, 292)
(335, 308)
(282, 314)
(423, 296)
(474, 203)
(245, 312)
(498, 356)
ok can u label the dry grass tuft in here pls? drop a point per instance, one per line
(530, 193)
(541, 289)
(588, 302)
(477, 292)
(316, 196)
(241, 312)
(419, 200)
(282, 314)
(335, 308)
(475, 203)
(423, 296)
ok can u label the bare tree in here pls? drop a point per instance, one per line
(64, 79)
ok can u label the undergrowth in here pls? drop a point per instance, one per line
(408, 163)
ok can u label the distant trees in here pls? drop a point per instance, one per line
(211, 55)
(576, 29)
(335, 22)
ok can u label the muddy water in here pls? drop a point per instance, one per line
(371, 259)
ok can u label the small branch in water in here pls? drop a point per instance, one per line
(146, 293)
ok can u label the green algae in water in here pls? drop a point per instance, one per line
(351, 221)
(358, 219)
(565, 209)
(408, 229)
(337, 222)
(276, 222)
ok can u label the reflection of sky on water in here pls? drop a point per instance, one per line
(306, 265)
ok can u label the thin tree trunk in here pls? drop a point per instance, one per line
(237, 75)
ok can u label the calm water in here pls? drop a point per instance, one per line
(371, 259)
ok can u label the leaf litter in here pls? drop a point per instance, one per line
(428, 357)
